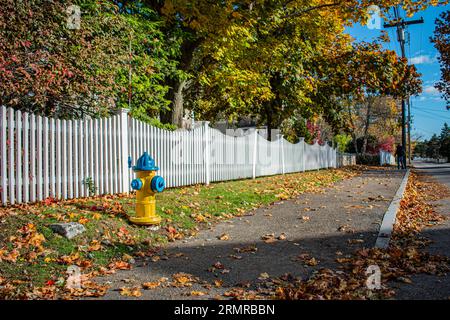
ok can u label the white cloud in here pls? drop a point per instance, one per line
(431, 90)
(422, 59)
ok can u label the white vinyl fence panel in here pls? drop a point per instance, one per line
(386, 158)
(44, 157)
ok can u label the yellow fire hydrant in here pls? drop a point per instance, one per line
(146, 184)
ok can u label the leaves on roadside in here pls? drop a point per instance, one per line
(130, 292)
(247, 249)
(307, 259)
(151, 285)
(120, 265)
(183, 280)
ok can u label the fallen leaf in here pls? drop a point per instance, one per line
(151, 285)
(224, 237)
(83, 220)
(95, 246)
(251, 249)
(120, 265)
(264, 276)
(130, 292)
(269, 238)
(282, 237)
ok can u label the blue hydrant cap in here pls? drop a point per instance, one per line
(145, 163)
(136, 184)
(158, 184)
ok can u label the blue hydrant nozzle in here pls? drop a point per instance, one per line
(136, 184)
(158, 184)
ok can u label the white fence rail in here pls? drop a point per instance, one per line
(386, 158)
(44, 157)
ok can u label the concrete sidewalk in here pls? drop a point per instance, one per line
(325, 226)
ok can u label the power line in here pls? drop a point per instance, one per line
(424, 114)
(425, 130)
(431, 110)
(392, 35)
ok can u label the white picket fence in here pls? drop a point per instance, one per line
(386, 158)
(44, 157)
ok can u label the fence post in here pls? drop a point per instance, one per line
(318, 152)
(302, 141)
(255, 149)
(282, 154)
(124, 150)
(327, 148)
(3, 155)
(207, 152)
(334, 158)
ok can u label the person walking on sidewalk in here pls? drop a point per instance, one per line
(400, 154)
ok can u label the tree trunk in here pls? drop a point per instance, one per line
(178, 100)
(355, 143)
(366, 125)
(352, 133)
(269, 123)
(175, 94)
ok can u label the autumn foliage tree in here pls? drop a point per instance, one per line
(223, 59)
(251, 57)
(355, 84)
(441, 41)
(50, 69)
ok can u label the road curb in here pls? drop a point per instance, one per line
(384, 236)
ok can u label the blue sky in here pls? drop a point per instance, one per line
(428, 110)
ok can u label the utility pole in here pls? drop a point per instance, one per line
(401, 24)
(409, 130)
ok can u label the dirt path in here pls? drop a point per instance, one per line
(335, 222)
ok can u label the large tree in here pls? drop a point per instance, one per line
(354, 83)
(250, 56)
(50, 69)
(441, 41)
(202, 24)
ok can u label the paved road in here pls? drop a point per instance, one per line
(325, 225)
(427, 286)
(441, 172)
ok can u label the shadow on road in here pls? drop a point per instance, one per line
(242, 263)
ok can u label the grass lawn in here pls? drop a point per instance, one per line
(34, 260)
